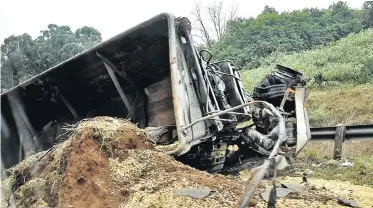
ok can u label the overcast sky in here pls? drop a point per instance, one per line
(111, 17)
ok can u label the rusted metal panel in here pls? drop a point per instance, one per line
(159, 104)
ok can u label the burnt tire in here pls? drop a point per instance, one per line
(205, 157)
(270, 92)
(212, 162)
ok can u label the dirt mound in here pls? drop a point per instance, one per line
(108, 162)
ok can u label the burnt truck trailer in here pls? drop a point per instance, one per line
(153, 75)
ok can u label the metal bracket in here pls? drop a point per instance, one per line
(70, 107)
(288, 91)
(303, 128)
(117, 85)
(113, 67)
(24, 116)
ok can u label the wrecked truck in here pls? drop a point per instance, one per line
(153, 75)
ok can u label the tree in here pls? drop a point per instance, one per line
(247, 41)
(22, 57)
(210, 22)
(201, 26)
(17, 55)
(269, 10)
(368, 8)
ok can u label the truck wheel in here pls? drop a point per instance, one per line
(207, 157)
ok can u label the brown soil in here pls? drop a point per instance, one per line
(87, 182)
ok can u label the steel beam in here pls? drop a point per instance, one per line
(70, 107)
(117, 86)
(24, 116)
(112, 66)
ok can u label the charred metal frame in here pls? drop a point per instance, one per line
(109, 67)
(303, 127)
(261, 170)
(280, 159)
(70, 107)
(121, 73)
(24, 116)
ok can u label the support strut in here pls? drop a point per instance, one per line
(117, 85)
(113, 67)
(70, 107)
(24, 117)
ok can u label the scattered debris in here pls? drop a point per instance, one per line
(347, 164)
(349, 203)
(280, 192)
(304, 181)
(317, 165)
(296, 188)
(307, 172)
(325, 193)
(195, 193)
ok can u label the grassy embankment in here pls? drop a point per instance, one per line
(346, 97)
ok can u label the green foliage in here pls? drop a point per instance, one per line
(17, 54)
(346, 61)
(368, 8)
(22, 57)
(247, 40)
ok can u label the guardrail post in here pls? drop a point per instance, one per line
(339, 138)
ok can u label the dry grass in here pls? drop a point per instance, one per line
(323, 150)
(107, 130)
(349, 105)
(359, 152)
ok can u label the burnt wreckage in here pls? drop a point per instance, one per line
(153, 75)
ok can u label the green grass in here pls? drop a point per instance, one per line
(347, 61)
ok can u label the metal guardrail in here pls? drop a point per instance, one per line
(364, 132)
(342, 133)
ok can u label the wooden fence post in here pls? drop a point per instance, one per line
(340, 133)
